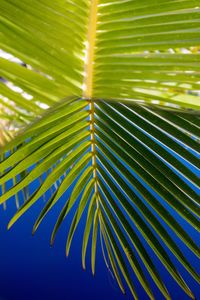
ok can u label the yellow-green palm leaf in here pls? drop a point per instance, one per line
(105, 98)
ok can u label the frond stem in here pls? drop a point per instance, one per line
(90, 49)
(93, 149)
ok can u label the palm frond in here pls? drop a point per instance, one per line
(127, 145)
(49, 45)
(130, 170)
(136, 54)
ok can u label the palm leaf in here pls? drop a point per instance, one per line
(125, 138)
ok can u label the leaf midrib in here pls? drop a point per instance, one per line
(90, 50)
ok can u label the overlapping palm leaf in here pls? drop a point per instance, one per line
(129, 150)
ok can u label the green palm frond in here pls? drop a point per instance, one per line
(125, 139)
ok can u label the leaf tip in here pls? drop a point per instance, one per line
(51, 242)
(9, 224)
(83, 265)
(67, 252)
(33, 230)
